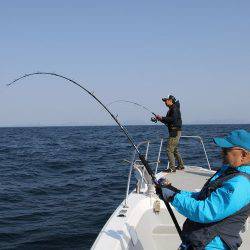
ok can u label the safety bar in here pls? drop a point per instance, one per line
(158, 159)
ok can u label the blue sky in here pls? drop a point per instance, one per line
(134, 50)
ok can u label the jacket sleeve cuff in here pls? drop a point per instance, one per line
(174, 199)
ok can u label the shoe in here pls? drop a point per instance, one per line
(169, 170)
(180, 168)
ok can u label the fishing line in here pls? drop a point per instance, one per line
(153, 119)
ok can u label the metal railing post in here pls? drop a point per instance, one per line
(208, 163)
(158, 158)
(203, 145)
(129, 178)
(146, 153)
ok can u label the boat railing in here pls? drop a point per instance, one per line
(157, 161)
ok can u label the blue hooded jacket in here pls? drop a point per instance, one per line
(223, 202)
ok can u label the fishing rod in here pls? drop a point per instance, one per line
(132, 102)
(153, 119)
(140, 155)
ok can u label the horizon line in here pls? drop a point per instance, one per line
(113, 125)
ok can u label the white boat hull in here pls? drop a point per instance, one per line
(139, 227)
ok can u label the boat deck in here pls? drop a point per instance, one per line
(139, 227)
(190, 179)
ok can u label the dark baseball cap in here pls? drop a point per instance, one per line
(169, 97)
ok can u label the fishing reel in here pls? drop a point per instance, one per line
(153, 119)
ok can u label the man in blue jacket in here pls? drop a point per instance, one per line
(217, 214)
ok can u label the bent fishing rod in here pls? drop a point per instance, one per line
(153, 119)
(132, 102)
(140, 155)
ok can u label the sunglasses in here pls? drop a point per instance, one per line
(230, 150)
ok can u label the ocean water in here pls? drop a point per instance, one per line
(59, 185)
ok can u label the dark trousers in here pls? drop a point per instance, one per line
(173, 152)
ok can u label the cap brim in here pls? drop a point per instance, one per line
(223, 143)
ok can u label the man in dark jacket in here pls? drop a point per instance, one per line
(174, 123)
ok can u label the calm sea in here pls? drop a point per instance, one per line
(59, 185)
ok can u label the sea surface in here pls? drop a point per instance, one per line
(59, 185)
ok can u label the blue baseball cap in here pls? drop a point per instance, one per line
(237, 138)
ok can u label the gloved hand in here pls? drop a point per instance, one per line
(158, 117)
(163, 181)
(165, 190)
(169, 192)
